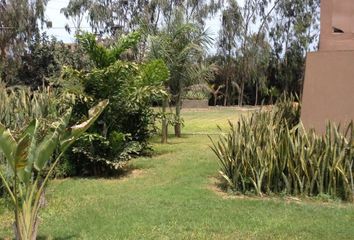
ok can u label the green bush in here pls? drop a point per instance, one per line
(263, 154)
(28, 155)
(288, 110)
(123, 129)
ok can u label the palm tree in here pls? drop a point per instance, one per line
(181, 45)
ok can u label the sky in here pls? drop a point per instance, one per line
(59, 21)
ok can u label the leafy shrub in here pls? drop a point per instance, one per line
(288, 110)
(263, 154)
(123, 129)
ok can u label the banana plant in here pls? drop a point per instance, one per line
(27, 155)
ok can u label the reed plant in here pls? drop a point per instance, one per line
(269, 154)
(20, 104)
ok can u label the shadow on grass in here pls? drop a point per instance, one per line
(57, 238)
(122, 172)
(157, 139)
(49, 238)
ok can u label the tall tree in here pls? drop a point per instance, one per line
(108, 17)
(76, 11)
(294, 32)
(19, 24)
(230, 27)
(122, 16)
(242, 27)
(181, 45)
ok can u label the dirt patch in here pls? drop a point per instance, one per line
(127, 174)
(218, 187)
(135, 173)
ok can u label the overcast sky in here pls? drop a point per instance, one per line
(59, 21)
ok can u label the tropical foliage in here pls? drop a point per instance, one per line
(27, 153)
(123, 130)
(181, 45)
(19, 105)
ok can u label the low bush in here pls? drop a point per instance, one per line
(265, 154)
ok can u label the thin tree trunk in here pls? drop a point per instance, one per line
(164, 126)
(178, 111)
(256, 101)
(226, 92)
(240, 100)
(178, 117)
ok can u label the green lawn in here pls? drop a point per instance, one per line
(172, 196)
(201, 121)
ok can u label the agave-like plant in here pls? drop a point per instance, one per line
(28, 154)
(269, 152)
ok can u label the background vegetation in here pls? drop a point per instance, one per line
(148, 53)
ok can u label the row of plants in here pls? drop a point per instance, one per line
(122, 131)
(20, 104)
(271, 153)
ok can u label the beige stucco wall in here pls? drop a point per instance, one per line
(328, 89)
(338, 14)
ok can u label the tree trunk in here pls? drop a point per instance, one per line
(178, 110)
(226, 92)
(2, 53)
(256, 101)
(164, 127)
(178, 130)
(178, 116)
(240, 99)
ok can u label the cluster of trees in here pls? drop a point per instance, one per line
(260, 48)
(261, 45)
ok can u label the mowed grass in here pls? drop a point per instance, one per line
(172, 196)
(208, 121)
